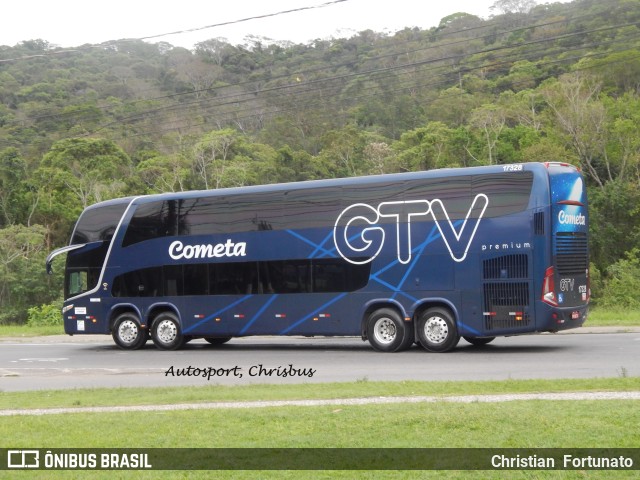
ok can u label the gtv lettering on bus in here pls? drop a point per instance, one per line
(363, 237)
(177, 250)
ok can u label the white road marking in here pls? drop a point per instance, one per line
(567, 396)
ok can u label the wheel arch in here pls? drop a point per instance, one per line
(377, 304)
(158, 308)
(427, 303)
(121, 308)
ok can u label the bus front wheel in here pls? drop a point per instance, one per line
(166, 332)
(437, 331)
(387, 332)
(127, 332)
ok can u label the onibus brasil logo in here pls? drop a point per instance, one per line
(357, 231)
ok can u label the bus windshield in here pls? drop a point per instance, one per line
(98, 224)
(88, 247)
(83, 268)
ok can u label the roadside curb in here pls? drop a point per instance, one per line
(612, 329)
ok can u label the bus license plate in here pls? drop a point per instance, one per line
(575, 315)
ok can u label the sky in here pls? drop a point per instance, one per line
(71, 23)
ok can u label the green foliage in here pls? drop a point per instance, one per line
(425, 148)
(622, 286)
(596, 283)
(160, 173)
(47, 315)
(617, 316)
(23, 281)
(74, 174)
(13, 172)
(614, 221)
(620, 71)
(224, 158)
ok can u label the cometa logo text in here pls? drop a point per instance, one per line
(177, 250)
(568, 219)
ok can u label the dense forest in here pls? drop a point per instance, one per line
(552, 82)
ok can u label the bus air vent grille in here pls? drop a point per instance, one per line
(506, 305)
(572, 254)
(506, 267)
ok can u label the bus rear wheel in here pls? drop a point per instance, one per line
(127, 332)
(166, 332)
(437, 331)
(387, 332)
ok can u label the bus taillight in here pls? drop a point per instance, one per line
(549, 288)
(561, 164)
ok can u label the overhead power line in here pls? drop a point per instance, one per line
(177, 32)
(241, 20)
(368, 73)
(308, 71)
(242, 113)
(330, 86)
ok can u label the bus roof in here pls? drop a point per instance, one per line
(338, 182)
(113, 201)
(335, 182)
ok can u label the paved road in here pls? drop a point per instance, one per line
(94, 361)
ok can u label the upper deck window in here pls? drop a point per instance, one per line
(320, 207)
(98, 224)
(151, 220)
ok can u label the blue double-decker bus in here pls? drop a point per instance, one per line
(425, 257)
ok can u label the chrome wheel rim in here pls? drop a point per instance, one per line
(436, 330)
(385, 331)
(167, 331)
(128, 331)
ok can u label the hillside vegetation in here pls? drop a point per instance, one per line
(555, 82)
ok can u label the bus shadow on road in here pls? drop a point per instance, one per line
(360, 348)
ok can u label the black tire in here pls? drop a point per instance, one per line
(437, 330)
(217, 340)
(479, 341)
(166, 332)
(387, 332)
(127, 332)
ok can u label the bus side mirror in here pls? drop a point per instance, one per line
(57, 252)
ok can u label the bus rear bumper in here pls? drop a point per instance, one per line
(557, 319)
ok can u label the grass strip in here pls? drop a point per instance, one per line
(363, 388)
(519, 424)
